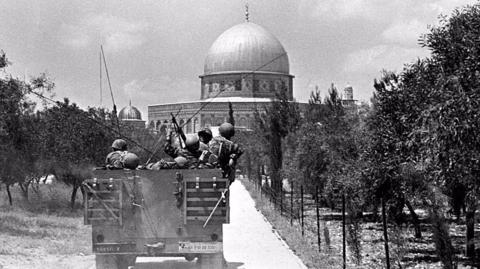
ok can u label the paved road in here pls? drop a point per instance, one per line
(249, 241)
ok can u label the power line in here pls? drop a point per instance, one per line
(57, 103)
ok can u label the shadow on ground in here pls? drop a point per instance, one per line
(174, 263)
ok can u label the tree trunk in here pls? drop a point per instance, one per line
(276, 161)
(416, 222)
(74, 196)
(10, 201)
(470, 234)
(385, 235)
(249, 166)
(24, 187)
(83, 193)
(344, 245)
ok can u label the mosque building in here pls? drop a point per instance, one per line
(131, 116)
(246, 66)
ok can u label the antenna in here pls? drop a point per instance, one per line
(101, 94)
(111, 92)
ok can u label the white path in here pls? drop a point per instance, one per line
(249, 238)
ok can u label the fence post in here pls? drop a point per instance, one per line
(281, 201)
(344, 247)
(270, 196)
(291, 205)
(302, 213)
(385, 234)
(318, 219)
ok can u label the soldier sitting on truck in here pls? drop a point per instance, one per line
(226, 152)
(114, 158)
(178, 163)
(120, 158)
(205, 135)
(191, 150)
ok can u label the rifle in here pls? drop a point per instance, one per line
(178, 130)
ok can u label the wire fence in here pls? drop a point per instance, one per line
(299, 207)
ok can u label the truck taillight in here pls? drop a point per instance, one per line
(100, 238)
(214, 237)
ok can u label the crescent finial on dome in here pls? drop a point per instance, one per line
(247, 19)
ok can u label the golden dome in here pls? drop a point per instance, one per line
(130, 113)
(246, 47)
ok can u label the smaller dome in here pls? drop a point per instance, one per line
(130, 113)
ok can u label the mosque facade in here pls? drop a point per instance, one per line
(131, 117)
(246, 66)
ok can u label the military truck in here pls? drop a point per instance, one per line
(164, 213)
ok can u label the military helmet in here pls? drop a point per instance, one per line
(226, 130)
(206, 134)
(119, 144)
(181, 161)
(131, 160)
(192, 142)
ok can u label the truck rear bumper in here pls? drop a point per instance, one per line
(160, 248)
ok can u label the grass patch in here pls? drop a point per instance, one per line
(44, 224)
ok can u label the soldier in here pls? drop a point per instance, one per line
(225, 151)
(114, 158)
(205, 135)
(178, 163)
(191, 151)
(130, 160)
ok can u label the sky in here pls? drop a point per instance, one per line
(155, 50)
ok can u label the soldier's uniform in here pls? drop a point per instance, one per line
(114, 159)
(224, 151)
(178, 163)
(191, 152)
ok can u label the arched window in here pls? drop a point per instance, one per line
(243, 122)
(188, 126)
(195, 123)
(207, 122)
(255, 85)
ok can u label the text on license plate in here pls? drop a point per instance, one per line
(200, 247)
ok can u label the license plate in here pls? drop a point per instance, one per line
(114, 248)
(200, 247)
